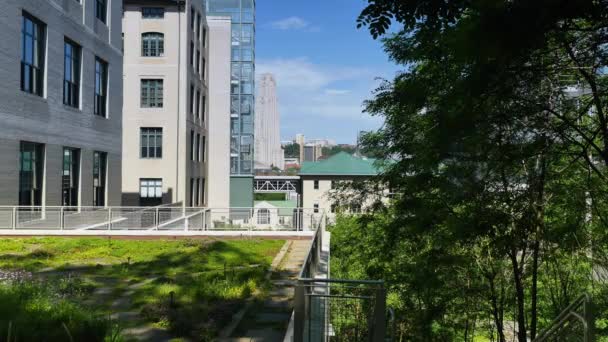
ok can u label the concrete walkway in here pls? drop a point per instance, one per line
(267, 321)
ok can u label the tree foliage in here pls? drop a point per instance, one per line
(496, 141)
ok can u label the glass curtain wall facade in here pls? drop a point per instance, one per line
(242, 81)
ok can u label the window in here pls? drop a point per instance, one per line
(101, 87)
(192, 147)
(192, 192)
(153, 12)
(100, 10)
(263, 216)
(32, 55)
(203, 149)
(198, 103)
(198, 147)
(198, 60)
(31, 166)
(204, 68)
(150, 191)
(203, 108)
(316, 185)
(100, 162)
(334, 208)
(198, 192)
(192, 54)
(70, 176)
(152, 44)
(151, 143)
(71, 74)
(151, 93)
(198, 26)
(192, 18)
(192, 100)
(203, 191)
(316, 207)
(204, 36)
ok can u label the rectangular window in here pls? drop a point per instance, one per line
(198, 26)
(203, 191)
(316, 185)
(192, 100)
(192, 192)
(204, 36)
(192, 148)
(203, 149)
(197, 111)
(100, 10)
(192, 18)
(203, 72)
(152, 44)
(198, 60)
(101, 87)
(198, 192)
(150, 191)
(204, 108)
(70, 176)
(151, 143)
(100, 162)
(192, 54)
(32, 55)
(152, 12)
(71, 74)
(316, 207)
(31, 166)
(198, 147)
(151, 93)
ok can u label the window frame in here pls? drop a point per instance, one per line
(36, 68)
(101, 88)
(71, 87)
(148, 150)
(152, 44)
(152, 12)
(316, 184)
(100, 173)
(101, 10)
(154, 93)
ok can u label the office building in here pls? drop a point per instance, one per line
(165, 102)
(312, 152)
(300, 140)
(242, 85)
(60, 103)
(268, 150)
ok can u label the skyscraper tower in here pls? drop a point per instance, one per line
(268, 151)
(242, 102)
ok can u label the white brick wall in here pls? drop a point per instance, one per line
(26, 117)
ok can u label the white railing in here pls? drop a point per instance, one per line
(162, 218)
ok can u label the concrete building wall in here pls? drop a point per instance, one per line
(45, 119)
(322, 195)
(177, 70)
(219, 112)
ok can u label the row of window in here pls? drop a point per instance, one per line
(31, 175)
(316, 184)
(197, 147)
(33, 36)
(197, 192)
(198, 104)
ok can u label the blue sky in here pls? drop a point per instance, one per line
(325, 67)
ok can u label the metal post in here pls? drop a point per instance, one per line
(61, 218)
(156, 218)
(588, 312)
(15, 220)
(109, 218)
(204, 222)
(299, 314)
(378, 328)
(186, 220)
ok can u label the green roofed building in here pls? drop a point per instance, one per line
(318, 178)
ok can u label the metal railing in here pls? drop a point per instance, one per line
(161, 218)
(334, 309)
(575, 323)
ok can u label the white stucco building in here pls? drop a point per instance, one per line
(165, 126)
(268, 150)
(60, 102)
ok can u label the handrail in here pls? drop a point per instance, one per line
(586, 319)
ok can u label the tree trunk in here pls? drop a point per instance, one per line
(520, 295)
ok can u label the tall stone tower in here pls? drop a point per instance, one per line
(268, 148)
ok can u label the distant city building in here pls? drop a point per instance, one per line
(300, 140)
(165, 111)
(268, 150)
(312, 152)
(61, 95)
(242, 103)
(322, 142)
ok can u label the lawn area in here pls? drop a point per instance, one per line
(188, 288)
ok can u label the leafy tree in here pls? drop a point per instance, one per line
(292, 150)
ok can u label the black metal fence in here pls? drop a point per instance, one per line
(575, 323)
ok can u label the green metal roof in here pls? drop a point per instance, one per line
(341, 164)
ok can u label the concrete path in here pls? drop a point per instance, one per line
(267, 321)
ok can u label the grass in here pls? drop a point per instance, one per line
(189, 287)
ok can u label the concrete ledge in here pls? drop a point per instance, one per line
(159, 234)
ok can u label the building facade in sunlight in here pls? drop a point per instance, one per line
(60, 103)
(268, 150)
(242, 102)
